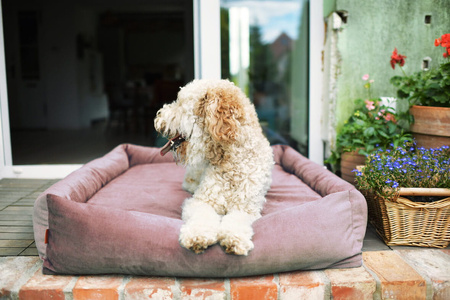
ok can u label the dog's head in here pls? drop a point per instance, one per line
(205, 119)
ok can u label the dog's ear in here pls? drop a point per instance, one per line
(223, 112)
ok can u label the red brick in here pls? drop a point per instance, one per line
(302, 285)
(250, 288)
(434, 265)
(11, 270)
(202, 289)
(355, 283)
(45, 287)
(97, 287)
(398, 279)
(149, 288)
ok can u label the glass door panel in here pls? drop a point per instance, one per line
(86, 75)
(265, 52)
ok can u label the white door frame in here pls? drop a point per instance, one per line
(206, 64)
(207, 39)
(5, 144)
(316, 47)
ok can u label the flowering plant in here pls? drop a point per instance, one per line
(428, 87)
(444, 41)
(371, 125)
(397, 59)
(404, 166)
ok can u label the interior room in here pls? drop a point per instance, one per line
(85, 76)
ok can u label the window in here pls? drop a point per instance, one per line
(265, 52)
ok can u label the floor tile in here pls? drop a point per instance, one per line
(14, 217)
(22, 229)
(25, 202)
(15, 192)
(28, 222)
(372, 241)
(16, 243)
(372, 245)
(32, 251)
(9, 200)
(12, 197)
(22, 183)
(16, 236)
(18, 210)
(10, 251)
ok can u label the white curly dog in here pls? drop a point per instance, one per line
(214, 131)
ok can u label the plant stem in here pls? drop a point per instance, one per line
(403, 71)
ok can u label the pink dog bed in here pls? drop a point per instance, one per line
(121, 214)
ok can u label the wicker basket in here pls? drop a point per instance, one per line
(400, 221)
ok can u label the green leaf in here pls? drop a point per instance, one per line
(369, 131)
(383, 134)
(396, 80)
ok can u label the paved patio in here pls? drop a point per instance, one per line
(388, 272)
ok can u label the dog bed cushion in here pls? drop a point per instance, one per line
(121, 214)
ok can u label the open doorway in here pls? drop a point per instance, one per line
(85, 76)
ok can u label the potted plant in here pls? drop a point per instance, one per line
(408, 194)
(428, 98)
(372, 125)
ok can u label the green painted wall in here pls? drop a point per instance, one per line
(373, 29)
(328, 7)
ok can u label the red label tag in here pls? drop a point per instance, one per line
(46, 237)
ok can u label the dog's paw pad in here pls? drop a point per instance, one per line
(236, 245)
(199, 248)
(197, 245)
(197, 242)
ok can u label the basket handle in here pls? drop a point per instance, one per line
(424, 192)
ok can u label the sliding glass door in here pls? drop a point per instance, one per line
(265, 52)
(85, 76)
(82, 76)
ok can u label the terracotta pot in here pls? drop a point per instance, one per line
(431, 128)
(349, 162)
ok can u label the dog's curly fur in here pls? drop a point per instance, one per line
(229, 164)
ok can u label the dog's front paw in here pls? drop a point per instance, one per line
(189, 185)
(235, 244)
(197, 239)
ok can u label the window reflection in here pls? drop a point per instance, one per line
(264, 51)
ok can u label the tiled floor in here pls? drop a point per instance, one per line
(16, 208)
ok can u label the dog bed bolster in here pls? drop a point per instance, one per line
(121, 214)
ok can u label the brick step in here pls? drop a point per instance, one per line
(399, 274)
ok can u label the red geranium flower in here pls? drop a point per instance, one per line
(397, 59)
(444, 41)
